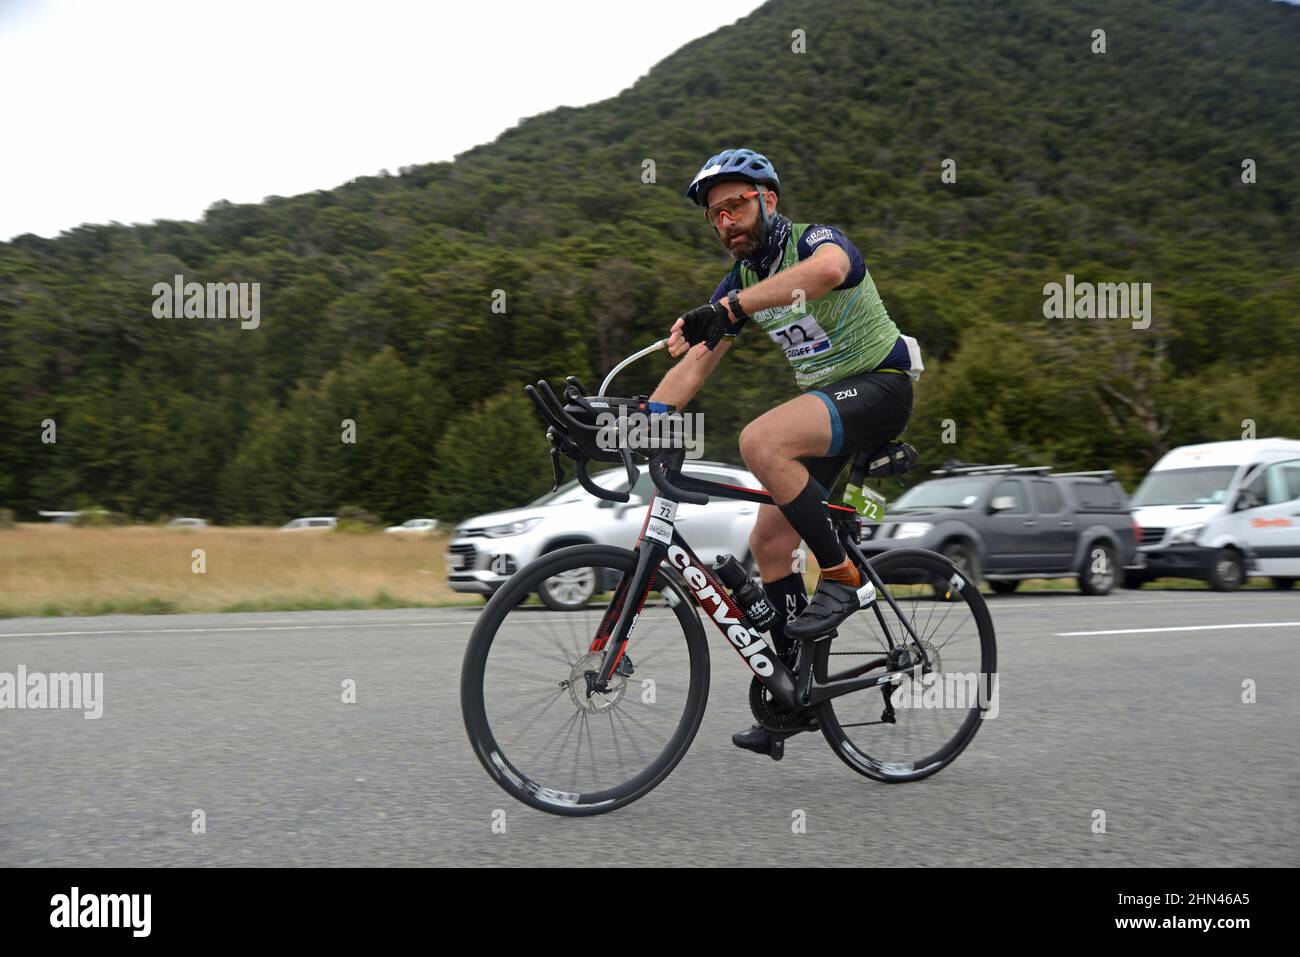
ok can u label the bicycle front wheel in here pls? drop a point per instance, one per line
(917, 726)
(530, 719)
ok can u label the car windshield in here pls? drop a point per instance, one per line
(945, 493)
(572, 491)
(1206, 486)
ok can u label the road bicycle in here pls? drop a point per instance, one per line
(582, 712)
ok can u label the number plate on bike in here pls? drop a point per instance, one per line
(868, 502)
(660, 524)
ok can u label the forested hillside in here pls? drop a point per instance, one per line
(377, 296)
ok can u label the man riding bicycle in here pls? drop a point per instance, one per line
(807, 286)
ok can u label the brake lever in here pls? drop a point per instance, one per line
(573, 381)
(556, 469)
(632, 472)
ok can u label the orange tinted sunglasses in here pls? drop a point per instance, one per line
(731, 206)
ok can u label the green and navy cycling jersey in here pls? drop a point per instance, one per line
(844, 332)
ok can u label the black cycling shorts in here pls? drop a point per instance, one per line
(867, 410)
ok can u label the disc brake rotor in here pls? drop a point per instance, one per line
(600, 701)
(904, 686)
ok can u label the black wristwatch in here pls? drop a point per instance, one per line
(733, 303)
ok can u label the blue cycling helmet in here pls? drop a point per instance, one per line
(732, 164)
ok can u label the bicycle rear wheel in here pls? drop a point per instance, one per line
(532, 724)
(915, 728)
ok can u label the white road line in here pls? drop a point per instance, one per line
(190, 631)
(1017, 603)
(1144, 631)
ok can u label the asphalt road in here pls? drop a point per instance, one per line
(241, 716)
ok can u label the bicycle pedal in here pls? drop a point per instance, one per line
(776, 750)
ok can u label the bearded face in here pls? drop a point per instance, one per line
(741, 240)
(742, 229)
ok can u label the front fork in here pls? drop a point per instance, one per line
(620, 617)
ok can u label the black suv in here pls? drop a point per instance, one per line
(1003, 524)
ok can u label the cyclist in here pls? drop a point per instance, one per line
(807, 287)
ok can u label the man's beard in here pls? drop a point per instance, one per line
(755, 238)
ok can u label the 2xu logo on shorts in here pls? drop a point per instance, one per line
(750, 643)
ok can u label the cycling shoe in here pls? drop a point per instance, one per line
(831, 604)
(772, 743)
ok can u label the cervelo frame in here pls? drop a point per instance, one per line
(659, 539)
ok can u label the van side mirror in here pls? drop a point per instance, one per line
(1246, 499)
(1002, 503)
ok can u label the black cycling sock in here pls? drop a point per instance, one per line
(812, 520)
(789, 598)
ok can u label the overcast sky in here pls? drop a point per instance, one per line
(136, 110)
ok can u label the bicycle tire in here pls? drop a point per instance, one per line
(474, 709)
(925, 567)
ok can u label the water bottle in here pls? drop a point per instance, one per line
(749, 596)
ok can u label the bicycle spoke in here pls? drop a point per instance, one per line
(591, 748)
(546, 704)
(566, 728)
(618, 713)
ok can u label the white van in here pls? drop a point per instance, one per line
(1220, 512)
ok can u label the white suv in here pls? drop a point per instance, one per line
(316, 523)
(488, 549)
(416, 526)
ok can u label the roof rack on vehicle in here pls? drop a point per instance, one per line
(1099, 473)
(970, 469)
(991, 469)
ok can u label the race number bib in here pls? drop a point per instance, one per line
(801, 338)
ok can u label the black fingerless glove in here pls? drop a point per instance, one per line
(706, 324)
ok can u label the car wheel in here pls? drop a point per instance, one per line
(1134, 580)
(568, 590)
(1282, 584)
(488, 597)
(964, 556)
(1228, 573)
(1097, 577)
(1005, 587)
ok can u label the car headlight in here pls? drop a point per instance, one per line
(912, 529)
(511, 528)
(1188, 533)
